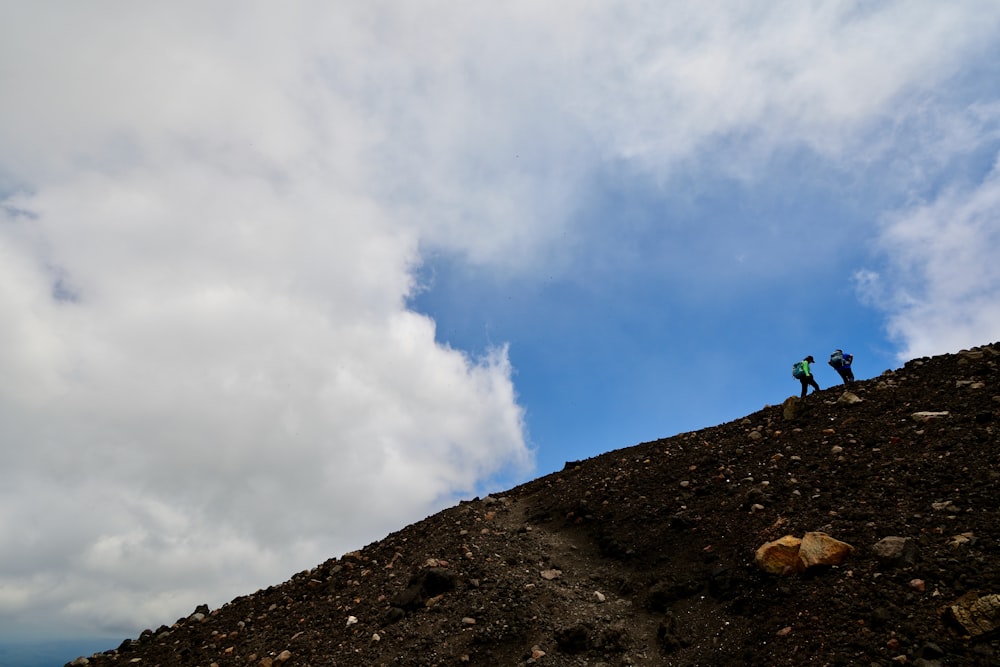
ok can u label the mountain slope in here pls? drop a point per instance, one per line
(646, 555)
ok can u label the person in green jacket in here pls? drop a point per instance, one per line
(804, 375)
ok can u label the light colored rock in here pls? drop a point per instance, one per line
(976, 615)
(849, 398)
(790, 555)
(945, 506)
(820, 549)
(926, 416)
(780, 556)
(790, 408)
(549, 575)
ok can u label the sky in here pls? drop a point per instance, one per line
(277, 280)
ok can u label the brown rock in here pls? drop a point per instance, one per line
(790, 554)
(790, 408)
(780, 556)
(975, 615)
(821, 549)
(848, 398)
(895, 550)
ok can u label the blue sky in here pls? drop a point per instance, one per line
(654, 333)
(275, 282)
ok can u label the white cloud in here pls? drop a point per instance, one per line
(941, 288)
(211, 219)
(227, 386)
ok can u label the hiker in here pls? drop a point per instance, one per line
(801, 372)
(841, 363)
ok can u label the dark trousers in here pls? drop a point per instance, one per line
(808, 381)
(846, 374)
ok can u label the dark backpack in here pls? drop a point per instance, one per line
(836, 359)
(799, 370)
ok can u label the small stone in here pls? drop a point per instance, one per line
(351, 620)
(895, 550)
(924, 417)
(848, 398)
(784, 632)
(549, 575)
(918, 585)
(962, 539)
(468, 620)
(600, 596)
(284, 656)
(376, 637)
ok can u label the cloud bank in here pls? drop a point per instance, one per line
(212, 217)
(942, 283)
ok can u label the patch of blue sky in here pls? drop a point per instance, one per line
(677, 311)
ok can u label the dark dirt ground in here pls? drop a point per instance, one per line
(645, 555)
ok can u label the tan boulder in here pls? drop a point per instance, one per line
(790, 555)
(780, 556)
(849, 398)
(790, 408)
(821, 549)
(975, 615)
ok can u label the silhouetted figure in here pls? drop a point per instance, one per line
(841, 363)
(802, 373)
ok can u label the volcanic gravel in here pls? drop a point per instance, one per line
(646, 555)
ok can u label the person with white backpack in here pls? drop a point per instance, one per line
(841, 362)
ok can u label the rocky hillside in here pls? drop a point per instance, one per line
(649, 555)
